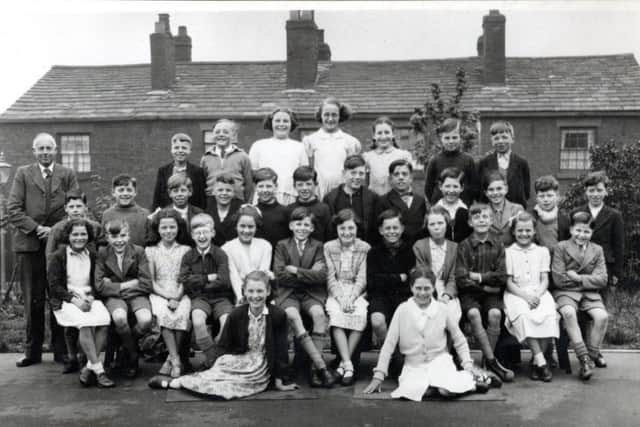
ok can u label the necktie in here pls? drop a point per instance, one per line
(47, 186)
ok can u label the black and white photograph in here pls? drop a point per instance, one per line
(312, 213)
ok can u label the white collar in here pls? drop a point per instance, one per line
(430, 311)
(42, 168)
(71, 252)
(458, 205)
(265, 311)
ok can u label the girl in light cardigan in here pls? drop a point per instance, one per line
(419, 328)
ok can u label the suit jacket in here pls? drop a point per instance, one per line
(422, 251)
(518, 177)
(590, 264)
(369, 202)
(235, 338)
(108, 275)
(384, 269)
(413, 216)
(225, 230)
(194, 269)
(27, 203)
(608, 232)
(57, 277)
(161, 191)
(501, 227)
(312, 270)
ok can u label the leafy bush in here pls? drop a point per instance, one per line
(620, 162)
(103, 198)
(426, 119)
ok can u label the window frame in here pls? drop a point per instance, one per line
(80, 173)
(591, 133)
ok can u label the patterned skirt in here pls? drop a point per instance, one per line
(231, 377)
(178, 319)
(356, 321)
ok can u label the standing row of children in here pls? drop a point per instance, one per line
(191, 285)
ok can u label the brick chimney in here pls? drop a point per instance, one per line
(163, 65)
(302, 49)
(324, 51)
(182, 44)
(493, 47)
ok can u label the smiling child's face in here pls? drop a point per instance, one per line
(78, 238)
(301, 228)
(306, 189)
(401, 179)
(223, 193)
(422, 290)
(496, 192)
(224, 133)
(256, 292)
(451, 189)
(124, 194)
(281, 125)
(383, 136)
(355, 177)
(391, 230)
(180, 195)
(168, 230)
(202, 235)
(523, 232)
(119, 241)
(481, 221)
(246, 228)
(180, 151)
(580, 233)
(596, 194)
(330, 117)
(266, 190)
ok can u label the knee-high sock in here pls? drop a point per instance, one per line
(493, 334)
(580, 349)
(127, 340)
(310, 348)
(208, 347)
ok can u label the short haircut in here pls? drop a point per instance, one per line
(115, 226)
(178, 180)
(595, 178)
(437, 210)
(448, 125)
(354, 161)
(422, 272)
(344, 110)
(389, 214)
(167, 213)
(493, 176)
(522, 216)
(45, 137)
(75, 195)
(268, 120)
(305, 173)
(451, 172)
(300, 213)
(251, 211)
(79, 222)
(477, 208)
(343, 216)
(181, 137)
(383, 120)
(123, 179)
(265, 174)
(225, 178)
(581, 217)
(257, 276)
(233, 124)
(400, 162)
(546, 183)
(501, 126)
(202, 220)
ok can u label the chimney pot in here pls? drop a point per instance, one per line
(493, 48)
(182, 43)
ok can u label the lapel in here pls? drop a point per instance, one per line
(127, 260)
(36, 175)
(582, 259)
(396, 201)
(56, 177)
(292, 248)
(602, 218)
(308, 254)
(512, 166)
(448, 257)
(112, 263)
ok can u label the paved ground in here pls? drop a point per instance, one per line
(41, 396)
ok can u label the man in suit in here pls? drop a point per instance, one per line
(503, 159)
(36, 203)
(180, 150)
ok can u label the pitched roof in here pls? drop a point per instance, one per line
(243, 89)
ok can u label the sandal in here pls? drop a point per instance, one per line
(166, 368)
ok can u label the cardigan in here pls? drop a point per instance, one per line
(236, 163)
(242, 263)
(311, 276)
(161, 191)
(422, 252)
(518, 176)
(235, 338)
(108, 275)
(194, 269)
(332, 253)
(57, 277)
(367, 230)
(413, 216)
(384, 269)
(589, 264)
(608, 232)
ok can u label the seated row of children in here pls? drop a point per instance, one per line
(350, 269)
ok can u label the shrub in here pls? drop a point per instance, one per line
(620, 162)
(426, 119)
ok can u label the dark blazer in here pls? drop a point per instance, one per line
(369, 202)
(108, 275)
(384, 269)
(518, 177)
(413, 216)
(26, 208)
(57, 276)
(312, 270)
(459, 228)
(195, 268)
(608, 232)
(225, 230)
(161, 191)
(422, 252)
(235, 338)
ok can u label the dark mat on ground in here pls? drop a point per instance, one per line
(389, 385)
(300, 394)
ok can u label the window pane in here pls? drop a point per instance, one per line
(75, 152)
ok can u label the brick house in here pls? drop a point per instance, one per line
(119, 118)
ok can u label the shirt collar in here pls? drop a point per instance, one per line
(265, 311)
(177, 168)
(430, 311)
(389, 149)
(42, 168)
(71, 252)
(519, 248)
(203, 253)
(475, 241)
(458, 205)
(504, 155)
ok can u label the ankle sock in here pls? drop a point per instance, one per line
(539, 360)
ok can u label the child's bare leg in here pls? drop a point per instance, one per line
(100, 336)
(88, 344)
(475, 318)
(379, 326)
(353, 340)
(536, 351)
(222, 320)
(143, 321)
(203, 339)
(494, 319)
(319, 335)
(342, 345)
(600, 321)
(295, 320)
(170, 341)
(121, 322)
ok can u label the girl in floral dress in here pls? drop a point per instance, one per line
(169, 304)
(253, 350)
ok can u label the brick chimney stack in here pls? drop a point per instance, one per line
(182, 44)
(493, 46)
(163, 65)
(324, 51)
(302, 49)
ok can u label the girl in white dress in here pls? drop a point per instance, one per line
(384, 150)
(169, 304)
(246, 252)
(280, 153)
(419, 328)
(530, 310)
(329, 146)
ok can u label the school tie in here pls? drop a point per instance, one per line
(47, 185)
(300, 248)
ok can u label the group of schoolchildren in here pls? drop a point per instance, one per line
(246, 247)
